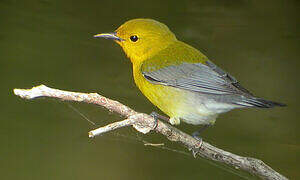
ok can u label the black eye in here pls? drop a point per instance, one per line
(134, 38)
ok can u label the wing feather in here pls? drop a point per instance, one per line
(197, 77)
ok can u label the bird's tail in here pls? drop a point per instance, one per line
(258, 102)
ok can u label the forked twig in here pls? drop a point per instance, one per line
(145, 123)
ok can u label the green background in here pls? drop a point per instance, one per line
(51, 42)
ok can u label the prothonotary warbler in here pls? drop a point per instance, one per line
(177, 78)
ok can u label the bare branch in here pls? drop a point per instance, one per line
(110, 127)
(145, 123)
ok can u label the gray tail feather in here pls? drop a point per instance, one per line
(258, 102)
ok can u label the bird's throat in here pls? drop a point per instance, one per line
(138, 56)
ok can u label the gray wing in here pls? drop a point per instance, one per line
(208, 79)
(203, 78)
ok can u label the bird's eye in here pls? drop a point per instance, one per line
(134, 38)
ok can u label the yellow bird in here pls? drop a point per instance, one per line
(177, 78)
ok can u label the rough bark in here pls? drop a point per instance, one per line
(145, 123)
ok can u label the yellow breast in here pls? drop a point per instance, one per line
(164, 97)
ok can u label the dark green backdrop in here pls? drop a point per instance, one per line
(51, 42)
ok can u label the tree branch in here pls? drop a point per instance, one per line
(145, 123)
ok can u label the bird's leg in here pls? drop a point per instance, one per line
(196, 135)
(198, 132)
(157, 116)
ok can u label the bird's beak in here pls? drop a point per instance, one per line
(112, 36)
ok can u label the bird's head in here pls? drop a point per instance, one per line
(141, 38)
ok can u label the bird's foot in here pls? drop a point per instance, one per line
(157, 116)
(198, 145)
(196, 135)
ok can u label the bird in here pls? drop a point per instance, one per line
(177, 78)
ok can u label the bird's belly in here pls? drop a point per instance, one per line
(167, 99)
(190, 107)
(187, 106)
(202, 109)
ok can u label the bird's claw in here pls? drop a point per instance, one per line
(155, 117)
(198, 145)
